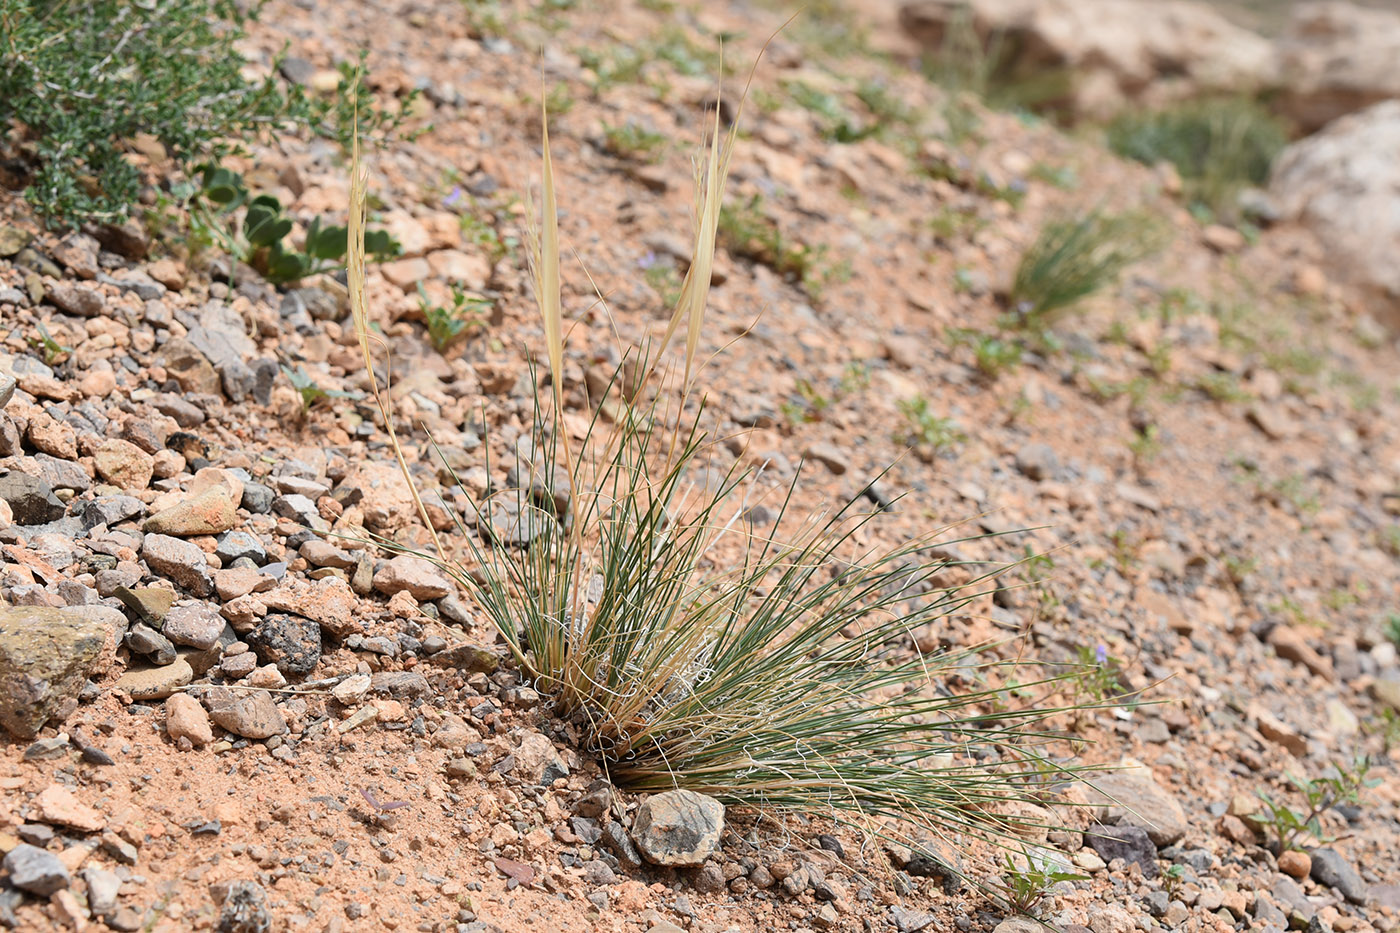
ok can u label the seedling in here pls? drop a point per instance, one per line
(448, 323)
(1027, 886)
(924, 427)
(630, 141)
(994, 355)
(1099, 676)
(51, 347)
(1344, 785)
(310, 392)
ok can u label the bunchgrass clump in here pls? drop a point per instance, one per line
(690, 649)
(1218, 146)
(1073, 258)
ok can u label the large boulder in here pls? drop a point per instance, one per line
(1148, 52)
(1336, 59)
(1344, 184)
(45, 658)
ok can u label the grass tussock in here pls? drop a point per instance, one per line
(1075, 257)
(691, 650)
(1218, 147)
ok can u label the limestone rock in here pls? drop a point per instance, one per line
(45, 657)
(679, 828)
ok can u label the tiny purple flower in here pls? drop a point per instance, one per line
(453, 196)
(1101, 653)
(647, 261)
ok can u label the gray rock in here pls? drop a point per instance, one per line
(508, 521)
(7, 388)
(1292, 900)
(236, 544)
(45, 658)
(144, 640)
(31, 500)
(196, 625)
(108, 510)
(1329, 868)
(257, 498)
(36, 870)
(290, 642)
(1130, 843)
(620, 844)
(1037, 461)
(245, 909)
(403, 685)
(910, 920)
(265, 373)
(1132, 797)
(679, 828)
(102, 889)
(185, 413)
(78, 300)
(62, 474)
(237, 378)
(298, 508)
(180, 561)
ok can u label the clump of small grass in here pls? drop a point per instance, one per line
(746, 230)
(1218, 146)
(1073, 258)
(691, 651)
(632, 141)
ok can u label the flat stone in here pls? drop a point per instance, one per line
(250, 713)
(46, 656)
(1131, 796)
(329, 602)
(209, 513)
(143, 640)
(78, 300)
(194, 624)
(103, 886)
(238, 544)
(123, 464)
(420, 578)
(149, 603)
(155, 683)
(58, 807)
(186, 718)
(679, 828)
(537, 761)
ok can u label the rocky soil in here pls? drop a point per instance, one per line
(227, 711)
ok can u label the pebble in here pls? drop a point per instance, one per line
(155, 683)
(123, 464)
(678, 828)
(59, 807)
(178, 560)
(418, 577)
(240, 544)
(1329, 868)
(250, 713)
(1295, 864)
(194, 624)
(186, 718)
(209, 513)
(292, 643)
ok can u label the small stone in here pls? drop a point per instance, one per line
(155, 683)
(180, 561)
(1037, 461)
(418, 577)
(245, 909)
(36, 870)
(149, 603)
(298, 508)
(830, 456)
(1130, 843)
(31, 500)
(123, 464)
(240, 544)
(678, 828)
(1130, 795)
(1295, 864)
(58, 807)
(143, 640)
(77, 300)
(537, 761)
(251, 714)
(292, 643)
(209, 513)
(352, 689)
(103, 886)
(328, 602)
(195, 624)
(186, 718)
(1331, 869)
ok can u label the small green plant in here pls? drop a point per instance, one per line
(1172, 877)
(87, 78)
(807, 405)
(1392, 628)
(745, 230)
(833, 120)
(1343, 785)
(1237, 568)
(53, 350)
(1218, 146)
(924, 427)
(1072, 259)
(1146, 444)
(1222, 387)
(449, 323)
(310, 392)
(994, 355)
(259, 239)
(1098, 675)
(631, 141)
(1027, 885)
(663, 278)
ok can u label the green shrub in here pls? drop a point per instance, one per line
(1071, 259)
(1218, 146)
(84, 79)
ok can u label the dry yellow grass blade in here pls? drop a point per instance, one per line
(359, 310)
